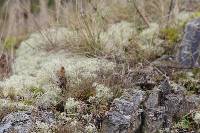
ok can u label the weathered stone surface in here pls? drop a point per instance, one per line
(155, 119)
(124, 110)
(20, 122)
(151, 111)
(188, 54)
(24, 122)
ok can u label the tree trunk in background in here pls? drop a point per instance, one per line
(162, 8)
(58, 10)
(188, 5)
(18, 17)
(44, 16)
(83, 6)
(142, 7)
(173, 9)
(74, 4)
(176, 7)
(25, 22)
(18, 24)
(13, 13)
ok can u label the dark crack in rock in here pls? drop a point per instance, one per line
(125, 110)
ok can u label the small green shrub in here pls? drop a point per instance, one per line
(189, 80)
(37, 91)
(28, 102)
(10, 42)
(170, 34)
(184, 123)
(51, 3)
(188, 123)
(195, 15)
(196, 72)
(179, 76)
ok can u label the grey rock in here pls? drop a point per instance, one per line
(153, 99)
(155, 112)
(188, 53)
(124, 110)
(20, 122)
(172, 103)
(151, 111)
(155, 119)
(24, 122)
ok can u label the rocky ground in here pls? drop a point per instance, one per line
(53, 87)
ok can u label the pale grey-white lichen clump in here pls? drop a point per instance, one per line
(197, 117)
(149, 40)
(103, 93)
(90, 128)
(34, 66)
(71, 105)
(16, 105)
(149, 33)
(117, 36)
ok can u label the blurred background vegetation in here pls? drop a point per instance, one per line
(20, 17)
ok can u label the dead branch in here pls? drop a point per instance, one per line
(141, 14)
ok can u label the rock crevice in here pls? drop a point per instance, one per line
(154, 110)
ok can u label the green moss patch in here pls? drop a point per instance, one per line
(170, 34)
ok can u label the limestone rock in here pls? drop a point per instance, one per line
(20, 122)
(24, 122)
(150, 111)
(124, 110)
(188, 53)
